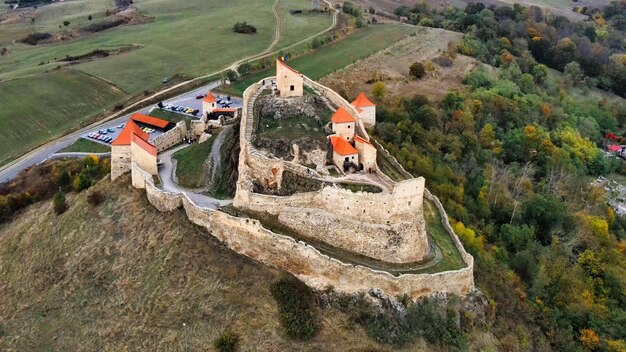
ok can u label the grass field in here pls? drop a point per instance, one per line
(83, 145)
(38, 108)
(189, 38)
(191, 170)
(338, 55)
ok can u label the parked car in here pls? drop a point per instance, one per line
(200, 96)
(102, 131)
(111, 129)
(165, 80)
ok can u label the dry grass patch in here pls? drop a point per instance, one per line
(391, 66)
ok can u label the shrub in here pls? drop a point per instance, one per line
(350, 9)
(379, 90)
(35, 38)
(226, 342)
(243, 27)
(295, 306)
(95, 198)
(90, 17)
(82, 181)
(417, 70)
(66, 23)
(60, 205)
(100, 26)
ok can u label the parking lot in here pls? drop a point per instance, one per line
(192, 100)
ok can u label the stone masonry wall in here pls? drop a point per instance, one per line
(171, 137)
(120, 160)
(249, 238)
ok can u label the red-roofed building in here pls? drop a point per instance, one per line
(366, 109)
(209, 103)
(152, 121)
(121, 148)
(344, 154)
(367, 153)
(343, 124)
(289, 82)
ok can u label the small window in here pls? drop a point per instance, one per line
(292, 88)
(349, 126)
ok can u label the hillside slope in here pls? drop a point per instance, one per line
(122, 276)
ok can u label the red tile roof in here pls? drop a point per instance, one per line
(342, 116)
(362, 101)
(125, 136)
(278, 61)
(144, 144)
(341, 147)
(149, 120)
(209, 98)
(360, 139)
(224, 110)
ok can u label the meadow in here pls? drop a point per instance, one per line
(330, 58)
(38, 108)
(41, 98)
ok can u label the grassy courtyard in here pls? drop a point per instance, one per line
(452, 259)
(83, 145)
(191, 169)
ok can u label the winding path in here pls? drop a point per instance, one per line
(166, 174)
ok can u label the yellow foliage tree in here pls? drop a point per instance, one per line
(589, 339)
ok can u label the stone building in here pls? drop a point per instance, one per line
(209, 103)
(343, 124)
(121, 149)
(367, 154)
(366, 109)
(123, 154)
(345, 155)
(289, 82)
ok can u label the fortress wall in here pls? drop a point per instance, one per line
(171, 137)
(120, 160)
(197, 127)
(249, 238)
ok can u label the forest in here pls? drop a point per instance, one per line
(513, 157)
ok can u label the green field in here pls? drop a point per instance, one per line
(38, 108)
(186, 39)
(83, 145)
(338, 55)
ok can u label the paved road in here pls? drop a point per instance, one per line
(42, 153)
(166, 173)
(9, 171)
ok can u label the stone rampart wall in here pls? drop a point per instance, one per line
(171, 137)
(248, 237)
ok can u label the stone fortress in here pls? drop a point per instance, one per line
(330, 235)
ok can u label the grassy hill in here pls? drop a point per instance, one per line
(124, 276)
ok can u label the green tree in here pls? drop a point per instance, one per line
(417, 70)
(59, 203)
(379, 90)
(574, 73)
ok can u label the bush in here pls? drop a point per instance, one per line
(60, 205)
(226, 342)
(35, 38)
(417, 70)
(243, 27)
(95, 198)
(350, 9)
(82, 181)
(100, 26)
(295, 306)
(66, 23)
